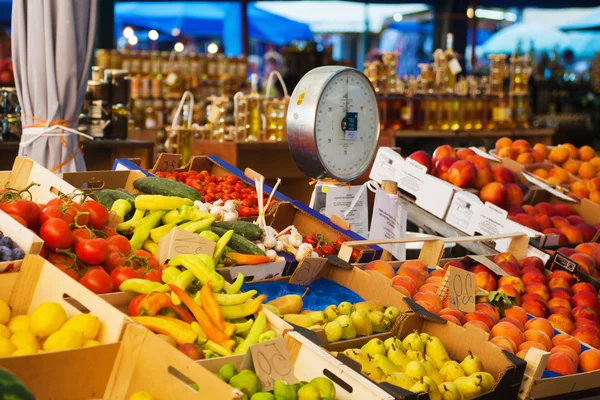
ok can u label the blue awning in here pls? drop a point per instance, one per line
(589, 22)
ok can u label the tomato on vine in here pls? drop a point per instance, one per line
(97, 280)
(93, 251)
(56, 234)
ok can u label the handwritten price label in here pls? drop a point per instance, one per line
(272, 362)
(462, 289)
(179, 241)
(307, 271)
(167, 162)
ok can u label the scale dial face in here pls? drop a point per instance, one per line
(333, 123)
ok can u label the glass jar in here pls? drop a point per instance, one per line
(115, 59)
(118, 122)
(97, 73)
(11, 127)
(118, 86)
(9, 101)
(102, 58)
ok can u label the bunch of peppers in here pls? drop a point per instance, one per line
(193, 305)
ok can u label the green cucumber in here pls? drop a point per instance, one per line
(107, 197)
(166, 187)
(239, 243)
(246, 229)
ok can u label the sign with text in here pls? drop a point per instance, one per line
(179, 241)
(167, 162)
(388, 222)
(272, 362)
(339, 200)
(462, 289)
(307, 271)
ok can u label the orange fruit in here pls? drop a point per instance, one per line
(573, 151)
(596, 161)
(542, 149)
(503, 142)
(586, 153)
(558, 155)
(525, 158)
(541, 172)
(572, 166)
(559, 173)
(587, 170)
(595, 196)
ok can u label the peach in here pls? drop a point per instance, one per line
(514, 194)
(563, 339)
(595, 196)
(597, 258)
(596, 161)
(514, 210)
(586, 298)
(530, 209)
(532, 296)
(538, 288)
(464, 153)
(579, 189)
(508, 152)
(529, 344)
(558, 155)
(540, 147)
(543, 221)
(504, 175)
(503, 142)
(538, 336)
(476, 268)
(422, 158)
(455, 264)
(561, 292)
(381, 266)
(462, 173)
(517, 313)
(587, 230)
(587, 248)
(480, 316)
(588, 335)
(427, 306)
(430, 298)
(573, 234)
(560, 311)
(541, 324)
(525, 158)
(566, 251)
(478, 324)
(537, 156)
(485, 281)
(420, 265)
(488, 309)
(560, 237)
(407, 283)
(521, 354)
(593, 185)
(515, 322)
(508, 330)
(484, 177)
(532, 261)
(558, 283)
(510, 268)
(559, 222)
(451, 318)
(556, 302)
(564, 210)
(587, 322)
(562, 275)
(567, 350)
(589, 360)
(573, 151)
(545, 208)
(535, 307)
(527, 220)
(443, 151)
(459, 315)
(575, 220)
(560, 175)
(572, 166)
(561, 363)
(585, 262)
(442, 166)
(505, 343)
(541, 173)
(480, 162)
(584, 312)
(508, 257)
(512, 281)
(402, 290)
(587, 170)
(583, 287)
(530, 269)
(586, 153)
(413, 273)
(438, 272)
(429, 287)
(562, 323)
(533, 277)
(521, 145)
(511, 292)
(434, 279)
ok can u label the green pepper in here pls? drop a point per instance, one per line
(169, 274)
(182, 281)
(121, 207)
(200, 225)
(236, 285)
(258, 328)
(184, 213)
(159, 202)
(210, 235)
(142, 286)
(128, 225)
(202, 267)
(220, 247)
(143, 228)
(158, 233)
(220, 350)
(150, 246)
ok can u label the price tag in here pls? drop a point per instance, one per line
(489, 264)
(167, 162)
(307, 271)
(351, 125)
(338, 201)
(388, 222)
(179, 241)
(272, 362)
(462, 289)
(454, 66)
(559, 261)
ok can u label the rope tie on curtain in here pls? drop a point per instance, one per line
(59, 128)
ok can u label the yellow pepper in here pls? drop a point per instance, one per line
(181, 332)
(158, 202)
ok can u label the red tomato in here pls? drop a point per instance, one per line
(119, 244)
(93, 251)
(109, 231)
(355, 255)
(318, 251)
(312, 239)
(19, 220)
(245, 211)
(153, 275)
(71, 272)
(151, 260)
(113, 261)
(71, 211)
(232, 179)
(98, 214)
(80, 234)
(133, 310)
(121, 274)
(52, 211)
(339, 241)
(56, 234)
(328, 250)
(28, 210)
(97, 280)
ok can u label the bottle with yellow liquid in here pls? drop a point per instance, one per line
(465, 113)
(428, 104)
(499, 102)
(254, 118)
(476, 104)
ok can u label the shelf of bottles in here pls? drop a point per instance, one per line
(10, 115)
(438, 99)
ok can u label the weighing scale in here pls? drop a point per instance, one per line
(332, 127)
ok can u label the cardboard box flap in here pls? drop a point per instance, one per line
(48, 185)
(97, 180)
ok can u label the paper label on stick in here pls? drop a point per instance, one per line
(167, 162)
(272, 362)
(307, 271)
(388, 222)
(338, 201)
(462, 289)
(179, 241)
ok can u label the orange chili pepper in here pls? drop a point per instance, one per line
(212, 308)
(156, 301)
(228, 344)
(202, 317)
(229, 329)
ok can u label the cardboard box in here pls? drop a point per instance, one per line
(98, 180)
(38, 282)
(23, 237)
(147, 363)
(26, 171)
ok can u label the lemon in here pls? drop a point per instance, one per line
(87, 324)
(90, 343)
(4, 332)
(24, 339)
(25, 351)
(64, 340)
(141, 396)
(4, 312)
(19, 323)
(47, 318)
(6, 347)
